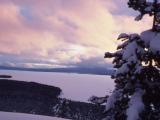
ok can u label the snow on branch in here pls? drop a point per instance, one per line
(113, 98)
(136, 105)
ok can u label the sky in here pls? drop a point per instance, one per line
(63, 33)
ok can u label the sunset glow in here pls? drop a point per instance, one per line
(62, 32)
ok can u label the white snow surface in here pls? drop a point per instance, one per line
(112, 99)
(155, 43)
(130, 56)
(123, 69)
(22, 116)
(130, 50)
(152, 40)
(136, 105)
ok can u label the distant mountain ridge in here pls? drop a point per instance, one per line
(80, 70)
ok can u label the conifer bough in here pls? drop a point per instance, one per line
(137, 79)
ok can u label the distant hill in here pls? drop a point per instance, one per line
(80, 70)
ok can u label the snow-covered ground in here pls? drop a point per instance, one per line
(77, 87)
(22, 116)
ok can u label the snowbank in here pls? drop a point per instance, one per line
(22, 116)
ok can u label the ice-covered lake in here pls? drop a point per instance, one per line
(77, 87)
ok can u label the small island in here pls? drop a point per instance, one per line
(5, 76)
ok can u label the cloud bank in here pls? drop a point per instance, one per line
(60, 33)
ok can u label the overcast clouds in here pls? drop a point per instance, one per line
(62, 32)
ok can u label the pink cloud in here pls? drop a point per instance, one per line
(67, 31)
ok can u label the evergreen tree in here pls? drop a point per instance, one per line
(137, 60)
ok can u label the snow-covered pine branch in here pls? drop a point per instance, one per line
(137, 60)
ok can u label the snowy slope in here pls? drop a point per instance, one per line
(21, 116)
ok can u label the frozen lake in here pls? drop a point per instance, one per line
(77, 87)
